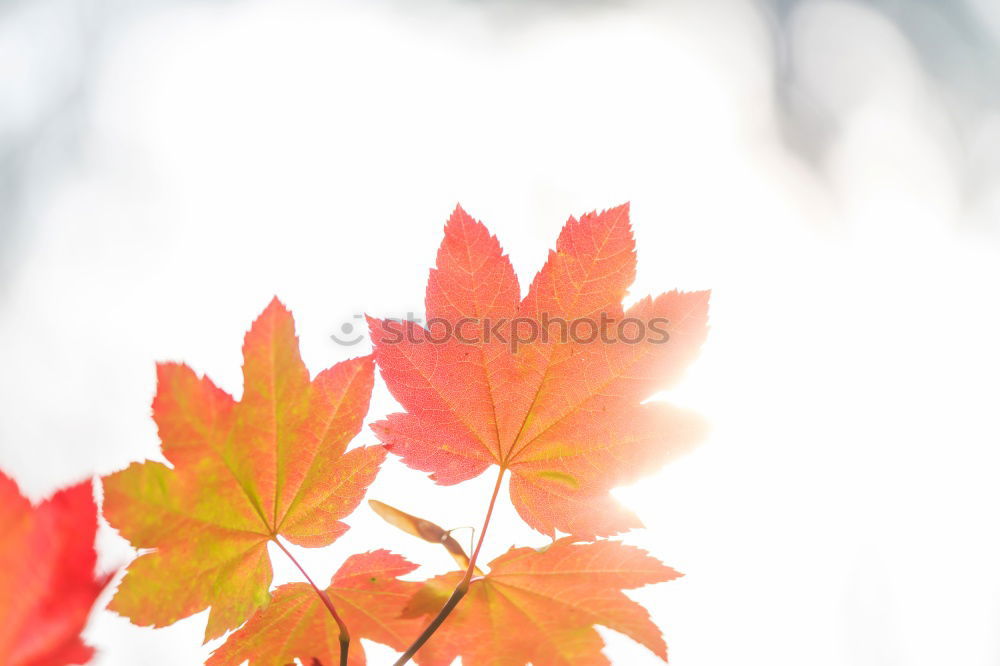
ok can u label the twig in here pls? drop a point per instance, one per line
(345, 637)
(463, 587)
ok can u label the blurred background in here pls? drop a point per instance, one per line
(830, 168)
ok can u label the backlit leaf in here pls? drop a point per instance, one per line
(540, 607)
(239, 474)
(550, 386)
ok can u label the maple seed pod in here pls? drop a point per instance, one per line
(422, 529)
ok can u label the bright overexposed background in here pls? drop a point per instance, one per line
(831, 169)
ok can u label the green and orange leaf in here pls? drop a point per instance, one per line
(239, 474)
(540, 607)
(369, 597)
(563, 413)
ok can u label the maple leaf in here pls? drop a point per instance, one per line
(540, 607)
(242, 473)
(47, 581)
(370, 599)
(562, 411)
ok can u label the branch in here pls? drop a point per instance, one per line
(463, 587)
(345, 637)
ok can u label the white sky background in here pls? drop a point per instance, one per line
(843, 510)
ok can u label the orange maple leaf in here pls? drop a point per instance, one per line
(242, 473)
(540, 607)
(370, 599)
(47, 581)
(549, 387)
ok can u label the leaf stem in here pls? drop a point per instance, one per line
(345, 636)
(463, 587)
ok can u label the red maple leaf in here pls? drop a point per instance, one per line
(550, 387)
(47, 581)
